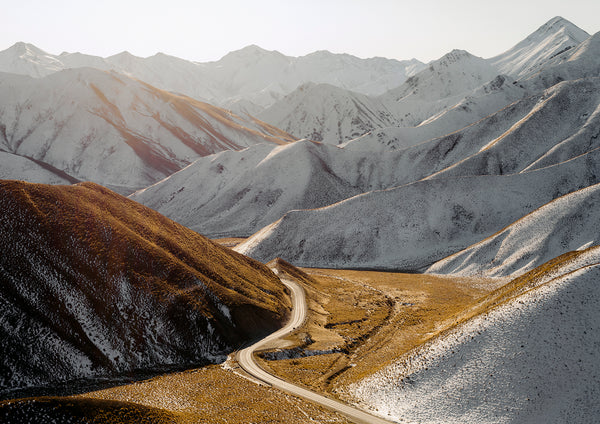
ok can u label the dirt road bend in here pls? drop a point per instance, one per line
(246, 360)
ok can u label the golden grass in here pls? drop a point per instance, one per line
(230, 242)
(371, 318)
(215, 395)
(156, 254)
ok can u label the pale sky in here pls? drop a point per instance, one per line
(207, 30)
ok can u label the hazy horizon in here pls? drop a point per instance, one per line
(206, 32)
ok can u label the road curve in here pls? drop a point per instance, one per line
(246, 361)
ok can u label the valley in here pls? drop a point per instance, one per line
(323, 238)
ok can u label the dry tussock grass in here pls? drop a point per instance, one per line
(371, 317)
(215, 395)
(109, 236)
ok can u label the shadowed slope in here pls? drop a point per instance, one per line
(97, 285)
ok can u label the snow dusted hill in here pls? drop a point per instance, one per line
(19, 167)
(532, 359)
(568, 223)
(564, 123)
(209, 201)
(482, 102)
(580, 62)
(113, 130)
(439, 86)
(452, 92)
(95, 285)
(412, 226)
(551, 39)
(237, 193)
(322, 112)
(251, 74)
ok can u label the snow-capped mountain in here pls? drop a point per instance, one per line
(95, 285)
(563, 123)
(551, 39)
(323, 112)
(472, 110)
(251, 74)
(110, 129)
(412, 226)
(209, 201)
(26, 59)
(533, 358)
(568, 223)
(439, 86)
(237, 193)
(446, 89)
(580, 62)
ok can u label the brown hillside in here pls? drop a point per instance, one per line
(93, 284)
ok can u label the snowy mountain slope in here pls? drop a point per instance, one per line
(237, 193)
(360, 166)
(551, 39)
(565, 224)
(250, 74)
(454, 91)
(524, 135)
(322, 112)
(533, 358)
(95, 285)
(167, 73)
(480, 103)
(19, 167)
(563, 124)
(580, 62)
(263, 76)
(439, 86)
(412, 226)
(113, 130)
(26, 59)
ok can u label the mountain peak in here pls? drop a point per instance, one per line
(123, 55)
(557, 25)
(21, 47)
(454, 56)
(250, 52)
(551, 39)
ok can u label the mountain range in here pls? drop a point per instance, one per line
(252, 74)
(107, 128)
(465, 166)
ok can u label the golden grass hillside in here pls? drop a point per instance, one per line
(360, 321)
(94, 284)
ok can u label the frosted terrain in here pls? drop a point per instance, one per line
(568, 223)
(530, 360)
(255, 76)
(110, 129)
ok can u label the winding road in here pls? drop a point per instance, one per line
(246, 361)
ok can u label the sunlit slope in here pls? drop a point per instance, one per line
(114, 130)
(95, 285)
(323, 112)
(529, 356)
(237, 193)
(568, 223)
(556, 36)
(412, 226)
